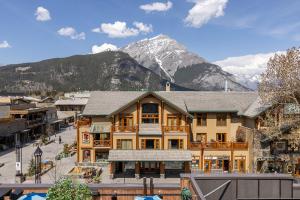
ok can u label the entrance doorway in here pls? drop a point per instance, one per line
(216, 164)
(150, 167)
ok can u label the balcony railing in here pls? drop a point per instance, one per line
(101, 143)
(176, 128)
(124, 128)
(219, 145)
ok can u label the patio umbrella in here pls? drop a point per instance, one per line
(148, 198)
(33, 196)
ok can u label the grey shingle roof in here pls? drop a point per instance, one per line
(4, 111)
(150, 155)
(72, 101)
(107, 102)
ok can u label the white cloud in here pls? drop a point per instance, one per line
(143, 27)
(157, 6)
(72, 33)
(104, 47)
(247, 68)
(42, 14)
(203, 11)
(120, 30)
(4, 45)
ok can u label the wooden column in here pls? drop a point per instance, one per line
(137, 125)
(111, 169)
(162, 126)
(137, 169)
(201, 158)
(231, 159)
(187, 168)
(162, 169)
(111, 132)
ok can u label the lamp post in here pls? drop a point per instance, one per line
(18, 158)
(38, 165)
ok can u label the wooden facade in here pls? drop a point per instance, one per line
(152, 123)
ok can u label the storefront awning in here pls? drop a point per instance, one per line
(100, 127)
(150, 155)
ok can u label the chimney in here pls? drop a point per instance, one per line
(226, 86)
(168, 87)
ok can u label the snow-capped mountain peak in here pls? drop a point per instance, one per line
(162, 54)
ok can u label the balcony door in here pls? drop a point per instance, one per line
(150, 113)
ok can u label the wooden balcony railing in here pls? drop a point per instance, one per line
(220, 145)
(176, 129)
(101, 143)
(124, 128)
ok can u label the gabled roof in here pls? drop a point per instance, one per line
(106, 103)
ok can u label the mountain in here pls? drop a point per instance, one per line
(171, 60)
(162, 55)
(104, 71)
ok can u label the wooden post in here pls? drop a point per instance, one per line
(138, 125)
(162, 126)
(111, 169)
(162, 169)
(137, 170)
(111, 132)
(201, 158)
(231, 158)
(187, 167)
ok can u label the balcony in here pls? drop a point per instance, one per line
(219, 145)
(176, 129)
(124, 128)
(102, 143)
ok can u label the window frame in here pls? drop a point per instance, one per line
(220, 119)
(224, 137)
(201, 119)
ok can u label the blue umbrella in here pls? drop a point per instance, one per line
(33, 196)
(148, 198)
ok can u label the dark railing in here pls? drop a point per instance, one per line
(219, 145)
(101, 143)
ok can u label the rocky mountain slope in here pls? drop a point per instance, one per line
(162, 55)
(171, 60)
(103, 71)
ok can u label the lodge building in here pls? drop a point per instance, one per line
(168, 132)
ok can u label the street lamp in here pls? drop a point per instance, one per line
(38, 167)
(18, 146)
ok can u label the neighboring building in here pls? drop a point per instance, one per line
(168, 132)
(22, 108)
(277, 141)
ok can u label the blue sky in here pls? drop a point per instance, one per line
(227, 28)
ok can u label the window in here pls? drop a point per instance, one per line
(126, 120)
(86, 155)
(150, 143)
(240, 163)
(85, 137)
(222, 119)
(175, 144)
(201, 137)
(150, 108)
(150, 113)
(221, 137)
(102, 136)
(124, 144)
(173, 120)
(201, 119)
